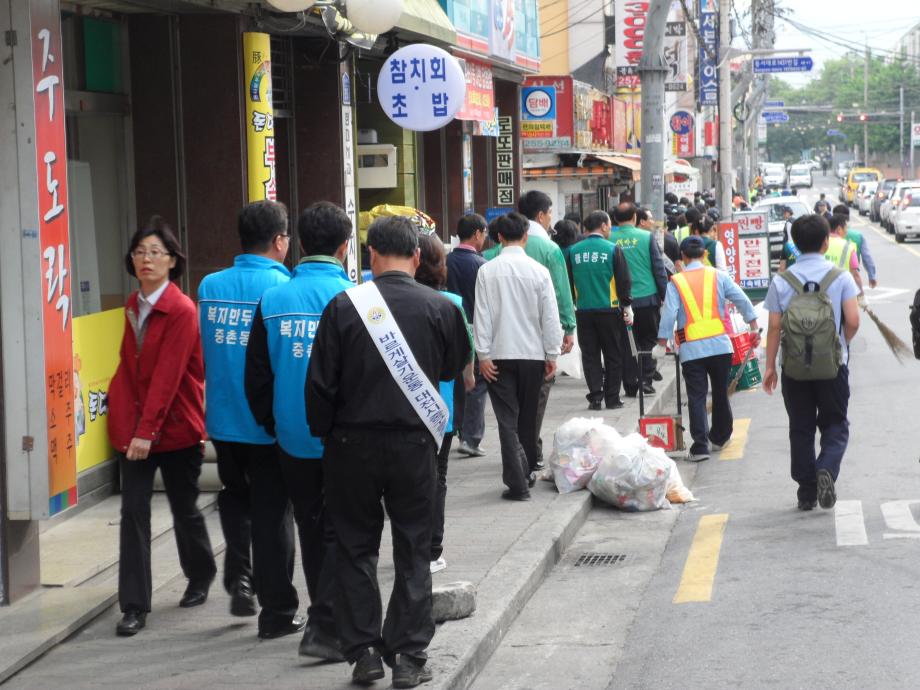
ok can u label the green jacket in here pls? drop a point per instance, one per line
(547, 253)
(601, 274)
(855, 236)
(649, 279)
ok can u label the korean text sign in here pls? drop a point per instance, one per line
(479, 104)
(728, 236)
(260, 117)
(709, 49)
(631, 20)
(421, 87)
(753, 249)
(54, 272)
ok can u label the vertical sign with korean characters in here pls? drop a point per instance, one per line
(260, 117)
(709, 49)
(753, 249)
(54, 272)
(504, 161)
(728, 236)
(348, 171)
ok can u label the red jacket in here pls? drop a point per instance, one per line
(158, 392)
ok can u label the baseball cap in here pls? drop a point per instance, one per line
(694, 242)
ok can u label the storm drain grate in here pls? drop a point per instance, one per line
(595, 559)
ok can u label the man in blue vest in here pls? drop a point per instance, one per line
(276, 371)
(247, 461)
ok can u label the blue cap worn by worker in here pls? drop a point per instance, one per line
(694, 242)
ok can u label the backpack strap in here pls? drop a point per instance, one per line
(793, 281)
(829, 278)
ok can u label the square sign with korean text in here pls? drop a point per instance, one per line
(753, 249)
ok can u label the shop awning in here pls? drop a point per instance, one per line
(426, 18)
(680, 168)
(631, 163)
(566, 172)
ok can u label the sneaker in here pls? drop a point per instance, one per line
(806, 505)
(438, 565)
(594, 405)
(648, 389)
(615, 404)
(368, 667)
(657, 376)
(697, 457)
(321, 646)
(408, 673)
(471, 451)
(827, 496)
(510, 495)
(719, 446)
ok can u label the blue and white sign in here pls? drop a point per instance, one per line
(538, 103)
(421, 87)
(772, 116)
(774, 105)
(709, 49)
(775, 65)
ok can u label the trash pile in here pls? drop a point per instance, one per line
(624, 471)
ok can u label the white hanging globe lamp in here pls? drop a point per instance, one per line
(374, 16)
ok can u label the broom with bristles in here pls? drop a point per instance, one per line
(736, 379)
(898, 347)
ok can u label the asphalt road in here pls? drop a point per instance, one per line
(741, 590)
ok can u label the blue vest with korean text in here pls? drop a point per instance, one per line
(291, 315)
(227, 302)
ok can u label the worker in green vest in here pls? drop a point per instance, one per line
(683, 232)
(649, 284)
(840, 251)
(862, 246)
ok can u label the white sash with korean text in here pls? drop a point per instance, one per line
(399, 360)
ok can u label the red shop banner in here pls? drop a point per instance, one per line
(54, 271)
(728, 236)
(479, 104)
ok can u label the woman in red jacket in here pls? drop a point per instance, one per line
(156, 419)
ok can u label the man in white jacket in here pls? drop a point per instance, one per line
(517, 336)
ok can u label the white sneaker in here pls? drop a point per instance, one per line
(471, 451)
(698, 457)
(716, 447)
(438, 565)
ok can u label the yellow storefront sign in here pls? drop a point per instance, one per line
(96, 344)
(538, 129)
(260, 116)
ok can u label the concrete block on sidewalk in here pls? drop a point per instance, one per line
(453, 601)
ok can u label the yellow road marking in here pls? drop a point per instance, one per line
(863, 224)
(702, 561)
(735, 449)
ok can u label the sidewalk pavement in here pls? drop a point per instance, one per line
(504, 548)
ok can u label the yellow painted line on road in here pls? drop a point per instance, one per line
(735, 449)
(702, 561)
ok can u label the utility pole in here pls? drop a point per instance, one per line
(866, 106)
(901, 131)
(910, 139)
(725, 110)
(652, 71)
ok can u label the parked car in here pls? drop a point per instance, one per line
(890, 203)
(810, 162)
(843, 168)
(773, 207)
(855, 176)
(897, 201)
(885, 187)
(864, 195)
(774, 175)
(908, 220)
(800, 176)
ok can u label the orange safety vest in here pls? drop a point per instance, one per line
(699, 293)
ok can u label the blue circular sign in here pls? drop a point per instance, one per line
(682, 122)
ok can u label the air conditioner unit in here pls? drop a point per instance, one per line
(376, 166)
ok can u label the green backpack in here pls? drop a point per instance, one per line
(811, 345)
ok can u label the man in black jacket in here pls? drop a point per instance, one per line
(380, 443)
(463, 265)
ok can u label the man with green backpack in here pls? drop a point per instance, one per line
(814, 313)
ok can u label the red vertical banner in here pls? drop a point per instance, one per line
(54, 271)
(728, 235)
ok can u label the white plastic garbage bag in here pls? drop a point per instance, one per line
(578, 446)
(677, 492)
(570, 364)
(634, 477)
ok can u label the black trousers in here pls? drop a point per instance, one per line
(363, 466)
(180, 470)
(440, 498)
(542, 401)
(645, 327)
(304, 480)
(254, 510)
(515, 399)
(629, 366)
(698, 375)
(235, 463)
(814, 406)
(597, 338)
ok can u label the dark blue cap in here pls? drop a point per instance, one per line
(694, 242)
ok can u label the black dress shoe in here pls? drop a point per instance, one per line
(242, 601)
(657, 376)
(648, 389)
(510, 495)
(631, 394)
(295, 625)
(368, 667)
(594, 405)
(531, 480)
(806, 505)
(316, 643)
(408, 673)
(131, 623)
(195, 594)
(539, 467)
(615, 404)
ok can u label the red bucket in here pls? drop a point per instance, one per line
(741, 344)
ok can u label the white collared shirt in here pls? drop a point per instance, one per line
(537, 230)
(145, 304)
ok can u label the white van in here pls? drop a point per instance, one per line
(800, 176)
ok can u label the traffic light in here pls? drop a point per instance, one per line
(840, 117)
(863, 117)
